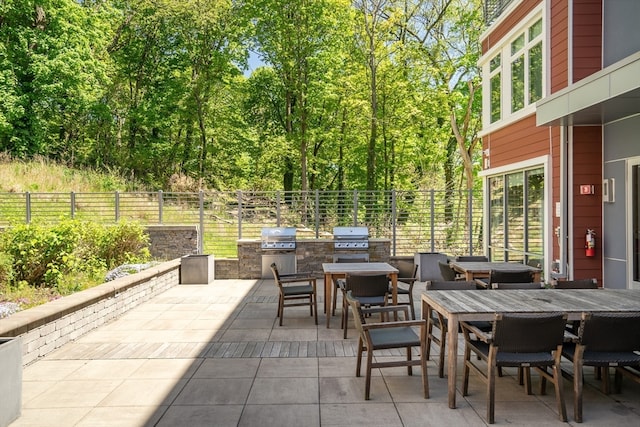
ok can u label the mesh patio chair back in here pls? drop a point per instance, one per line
(446, 271)
(407, 276)
(611, 332)
(577, 284)
(525, 285)
(528, 333)
(610, 340)
(524, 341)
(511, 276)
(369, 290)
(472, 258)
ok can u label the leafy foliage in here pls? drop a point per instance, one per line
(375, 94)
(68, 255)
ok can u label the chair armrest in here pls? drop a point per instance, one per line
(480, 334)
(482, 283)
(298, 275)
(401, 323)
(297, 279)
(386, 309)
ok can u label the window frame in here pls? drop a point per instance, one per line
(503, 49)
(541, 166)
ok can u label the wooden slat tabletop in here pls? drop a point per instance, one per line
(483, 304)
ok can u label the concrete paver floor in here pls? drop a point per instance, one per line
(214, 355)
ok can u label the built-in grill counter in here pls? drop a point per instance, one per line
(350, 243)
(279, 246)
(305, 250)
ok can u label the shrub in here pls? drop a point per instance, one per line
(70, 255)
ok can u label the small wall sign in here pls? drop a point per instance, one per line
(586, 189)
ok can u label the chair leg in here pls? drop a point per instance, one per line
(429, 335)
(562, 408)
(411, 307)
(443, 349)
(359, 361)
(423, 366)
(315, 307)
(409, 367)
(577, 391)
(465, 370)
(345, 320)
(367, 388)
(491, 393)
(335, 299)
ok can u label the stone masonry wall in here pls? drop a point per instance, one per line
(173, 241)
(50, 326)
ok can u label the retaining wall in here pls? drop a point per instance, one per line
(51, 325)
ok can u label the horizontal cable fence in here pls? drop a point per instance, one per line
(414, 221)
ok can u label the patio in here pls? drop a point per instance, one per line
(203, 355)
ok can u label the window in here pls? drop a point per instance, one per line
(516, 217)
(513, 74)
(496, 83)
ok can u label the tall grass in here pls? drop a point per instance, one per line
(42, 175)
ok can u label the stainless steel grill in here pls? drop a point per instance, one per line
(278, 238)
(351, 238)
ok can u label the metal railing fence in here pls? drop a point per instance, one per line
(414, 221)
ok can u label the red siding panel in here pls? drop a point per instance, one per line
(587, 38)
(559, 45)
(587, 209)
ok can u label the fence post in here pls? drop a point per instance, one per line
(355, 208)
(394, 224)
(470, 220)
(117, 201)
(201, 239)
(317, 213)
(433, 221)
(239, 214)
(27, 199)
(160, 206)
(73, 204)
(278, 208)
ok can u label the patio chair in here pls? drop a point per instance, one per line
(526, 285)
(407, 276)
(505, 276)
(340, 282)
(385, 336)
(446, 271)
(438, 321)
(472, 258)
(290, 287)
(604, 341)
(573, 326)
(576, 284)
(369, 290)
(517, 340)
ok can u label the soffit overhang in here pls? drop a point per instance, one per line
(610, 94)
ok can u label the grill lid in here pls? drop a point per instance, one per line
(278, 238)
(351, 237)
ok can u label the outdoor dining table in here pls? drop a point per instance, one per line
(483, 305)
(340, 270)
(478, 269)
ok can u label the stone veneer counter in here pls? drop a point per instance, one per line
(310, 254)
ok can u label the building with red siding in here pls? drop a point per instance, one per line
(561, 156)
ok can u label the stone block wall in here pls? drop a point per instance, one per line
(173, 241)
(310, 255)
(50, 326)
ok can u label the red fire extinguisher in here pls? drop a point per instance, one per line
(590, 248)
